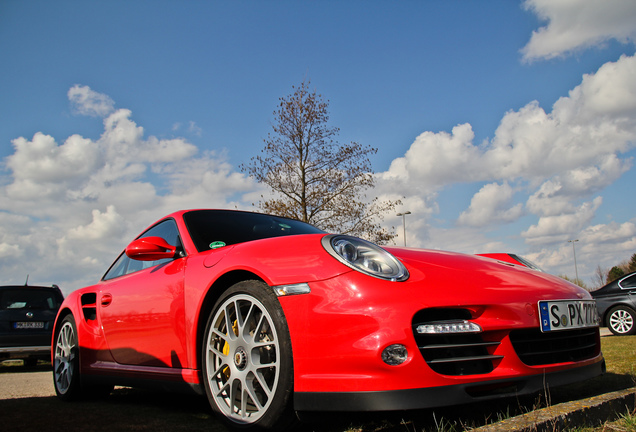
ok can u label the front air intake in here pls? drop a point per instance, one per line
(535, 348)
(453, 353)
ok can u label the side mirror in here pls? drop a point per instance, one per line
(150, 249)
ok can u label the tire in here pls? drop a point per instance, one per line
(66, 368)
(621, 320)
(30, 362)
(247, 359)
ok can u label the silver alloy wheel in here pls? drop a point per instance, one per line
(243, 359)
(64, 361)
(621, 321)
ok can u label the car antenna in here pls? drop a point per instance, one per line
(27, 281)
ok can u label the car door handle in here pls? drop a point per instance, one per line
(106, 300)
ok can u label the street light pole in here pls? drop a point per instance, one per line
(404, 223)
(576, 270)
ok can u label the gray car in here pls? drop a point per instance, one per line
(616, 304)
(27, 314)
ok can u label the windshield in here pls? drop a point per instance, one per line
(210, 229)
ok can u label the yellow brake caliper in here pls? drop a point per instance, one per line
(226, 349)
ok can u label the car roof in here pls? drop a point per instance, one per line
(613, 285)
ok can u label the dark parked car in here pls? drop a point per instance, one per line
(616, 304)
(27, 314)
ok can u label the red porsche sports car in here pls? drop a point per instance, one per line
(267, 316)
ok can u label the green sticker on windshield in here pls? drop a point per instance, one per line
(284, 226)
(217, 244)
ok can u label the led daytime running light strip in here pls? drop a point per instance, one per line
(446, 327)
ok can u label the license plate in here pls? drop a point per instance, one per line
(29, 325)
(567, 314)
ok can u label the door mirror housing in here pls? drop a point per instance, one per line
(150, 249)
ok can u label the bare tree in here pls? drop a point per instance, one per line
(600, 276)
(315, 178)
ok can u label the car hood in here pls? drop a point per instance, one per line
(441, 274)
(475, 278)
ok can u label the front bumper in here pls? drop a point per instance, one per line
(341, 328)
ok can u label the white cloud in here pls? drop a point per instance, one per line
(578, 24)
(604, 100)
(463, 239)
(601, 244)
(9, 250)
(41, 167)
(611, 235)
(104, 225)
(491, 205)
(558, 194)
(194, 129)
(557, 228)
(436, 159)
(123, 140)
(88, 102)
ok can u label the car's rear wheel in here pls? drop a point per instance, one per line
(622, 321)
(66, 360)
(247, 358)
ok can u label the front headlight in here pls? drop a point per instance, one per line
(365, 257)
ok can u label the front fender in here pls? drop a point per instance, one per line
(82, 304)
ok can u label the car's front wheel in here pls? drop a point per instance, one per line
(247, 358)
(622, 321)
(66, 360)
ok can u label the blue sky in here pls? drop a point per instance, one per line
(506, 126)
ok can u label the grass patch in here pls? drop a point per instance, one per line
(620, 354)
(627, 423)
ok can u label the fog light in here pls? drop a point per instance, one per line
(394, 355)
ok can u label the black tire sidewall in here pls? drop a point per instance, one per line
(629, 311)
(280, 412)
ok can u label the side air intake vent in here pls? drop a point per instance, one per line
(89, 306)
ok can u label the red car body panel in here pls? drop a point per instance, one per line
(342, 345)
(148, 325)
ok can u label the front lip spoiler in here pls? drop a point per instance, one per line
(433, 397)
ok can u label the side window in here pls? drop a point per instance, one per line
(124, 265)
(629, 282)
(117, 269)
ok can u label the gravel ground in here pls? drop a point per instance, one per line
(25, 385)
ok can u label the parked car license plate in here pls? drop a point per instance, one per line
(29, 325)
(567, 314)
